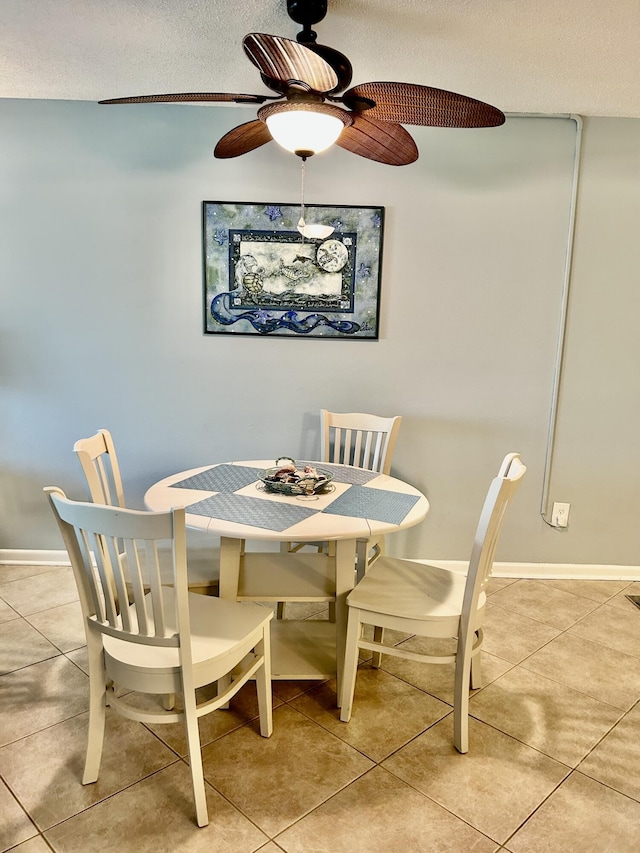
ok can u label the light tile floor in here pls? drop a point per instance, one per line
(554, 763)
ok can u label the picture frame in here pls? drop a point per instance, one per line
(263, 277)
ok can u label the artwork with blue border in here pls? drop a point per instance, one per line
(262, 277)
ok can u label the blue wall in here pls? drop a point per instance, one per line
(101, 321)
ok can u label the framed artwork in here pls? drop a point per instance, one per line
(263, 277)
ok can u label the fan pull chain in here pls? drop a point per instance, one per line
(311, 231)
(301, 223)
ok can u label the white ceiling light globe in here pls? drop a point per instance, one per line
(304, 130)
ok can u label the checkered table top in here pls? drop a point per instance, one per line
(274, 513)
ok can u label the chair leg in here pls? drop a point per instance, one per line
(461, 702)
(378, 637)
(195, 757)
(169, 701)
(362, 557)
(368, 551)
(263, 686)
(354, 631)
(223, 684)
(97, 707)
(476, 671)
(285, 548)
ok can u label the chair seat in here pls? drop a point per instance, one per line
(411, 589)
(218, 629)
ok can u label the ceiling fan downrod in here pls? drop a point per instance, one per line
(307, 12)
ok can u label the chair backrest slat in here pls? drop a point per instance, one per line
(368, 456)
(338, 444)
(380, 439)
(106, 575)
(356, 454)
(88, 545)
(152, 560)
(363, 440)
(115, 558)
(130, 557)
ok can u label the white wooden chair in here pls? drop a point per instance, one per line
(427, 601)
(366, 441)
(99, 462)
(167, 640)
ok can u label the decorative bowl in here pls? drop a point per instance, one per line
(286, 479)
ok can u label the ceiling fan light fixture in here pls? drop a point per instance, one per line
(304, 128)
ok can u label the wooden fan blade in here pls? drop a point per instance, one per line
(193, 97)
(242, 139)
(383, 141)
(409, 103)
(284, 60)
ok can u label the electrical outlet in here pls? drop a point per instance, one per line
(560, 514)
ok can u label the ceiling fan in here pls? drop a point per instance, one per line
(308, 114)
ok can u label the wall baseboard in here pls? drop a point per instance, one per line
(28, 557)
(540, 571)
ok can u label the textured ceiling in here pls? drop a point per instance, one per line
(549, 56)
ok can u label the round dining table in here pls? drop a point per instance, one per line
(230, 500)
